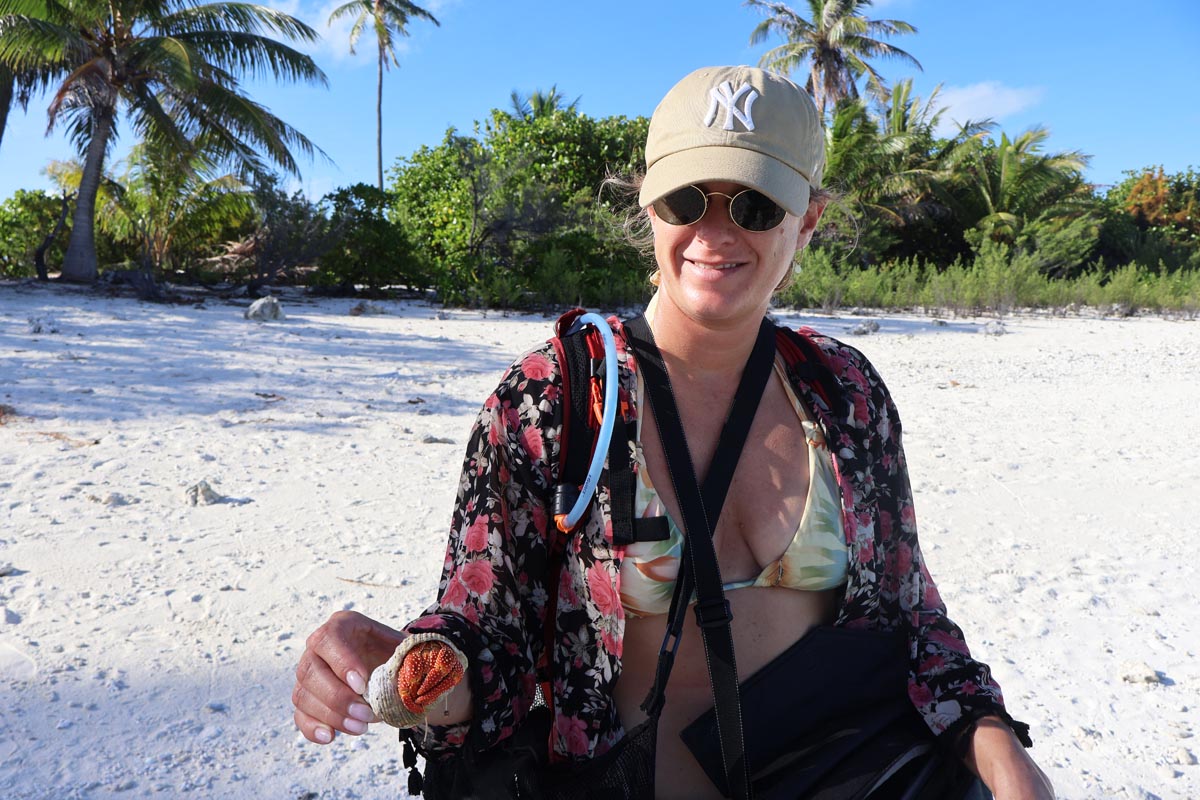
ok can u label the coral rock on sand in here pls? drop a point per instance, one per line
(263, 309)
(865, 328)
(114, 499)
(1139, 672)
(202, 495)
(994, 328)
(366, 307)
(43, 325)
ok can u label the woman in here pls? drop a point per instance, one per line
(806, 538)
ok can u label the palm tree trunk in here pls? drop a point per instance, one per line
(815, 86)
(7, 82)
(79, 263)
(379, 122)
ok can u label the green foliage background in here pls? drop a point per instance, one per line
(513, 217)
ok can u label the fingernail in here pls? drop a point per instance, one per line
(362, 712)
(323, 735)
(356, 682)
(354, 726)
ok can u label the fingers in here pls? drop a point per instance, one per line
(331, 675)
(353, 645)
(332, 645)
(325, 705)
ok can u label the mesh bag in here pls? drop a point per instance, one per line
(517, 769)
(624, 773)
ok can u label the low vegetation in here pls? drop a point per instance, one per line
(970, 219)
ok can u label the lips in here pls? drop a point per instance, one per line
(720, 266)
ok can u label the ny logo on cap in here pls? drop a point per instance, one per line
(724, 95)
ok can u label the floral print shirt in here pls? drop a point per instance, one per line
(492, 597)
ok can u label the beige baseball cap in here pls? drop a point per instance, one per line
(738, 124)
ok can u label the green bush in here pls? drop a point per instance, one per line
(368, 252)
(818, 282)
(997, 280)
(512, 216)
(26, 219)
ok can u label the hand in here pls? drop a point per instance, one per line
(332, 675)
(1004, 764)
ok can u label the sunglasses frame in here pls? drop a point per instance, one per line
(728, 208)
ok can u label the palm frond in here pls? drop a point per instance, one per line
(254, 55)
(230, 16)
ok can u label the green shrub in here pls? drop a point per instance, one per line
(26, 219)
(367, 249)
(818, 283)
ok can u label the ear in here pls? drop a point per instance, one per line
(808, 223)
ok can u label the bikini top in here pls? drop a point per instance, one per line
(815, 560)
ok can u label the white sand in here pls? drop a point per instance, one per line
(147, 645)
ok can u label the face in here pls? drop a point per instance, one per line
(719, 274)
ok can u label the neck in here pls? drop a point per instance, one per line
(696, 350)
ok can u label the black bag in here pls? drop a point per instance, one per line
(518, 769)
(846, 730)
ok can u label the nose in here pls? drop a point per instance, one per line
(716, 223)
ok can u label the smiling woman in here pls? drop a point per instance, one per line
(579, 679)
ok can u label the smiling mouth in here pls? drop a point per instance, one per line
(725, 265)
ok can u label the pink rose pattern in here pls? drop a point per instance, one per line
(493, 594)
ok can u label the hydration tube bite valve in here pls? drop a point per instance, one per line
(578, 498)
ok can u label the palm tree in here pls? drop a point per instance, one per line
(890, 164)
(390, 19)
(836, 44)
(997, 187)
(170, 208)
(541, 104)
(172, 67)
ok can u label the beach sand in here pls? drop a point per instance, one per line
(147, 645)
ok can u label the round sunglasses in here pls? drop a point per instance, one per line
(750, 210)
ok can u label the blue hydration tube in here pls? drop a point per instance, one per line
(611, 390)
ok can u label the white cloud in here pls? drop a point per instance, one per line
(986, 100)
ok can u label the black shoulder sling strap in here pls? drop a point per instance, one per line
(700, 510)
(581, 356)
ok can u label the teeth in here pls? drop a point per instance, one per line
(729, 265)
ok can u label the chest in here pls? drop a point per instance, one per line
(767, 496)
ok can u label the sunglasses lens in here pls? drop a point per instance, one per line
(682, 206)
(754, 211)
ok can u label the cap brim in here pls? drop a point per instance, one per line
(739, 165)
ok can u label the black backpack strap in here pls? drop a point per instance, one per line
(577, 435)
(701, 511)
(581, 357)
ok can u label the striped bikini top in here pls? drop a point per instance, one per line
(816, 559)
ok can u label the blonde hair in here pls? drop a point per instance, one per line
(635, 224)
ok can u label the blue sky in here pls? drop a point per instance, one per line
(1117, 81)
